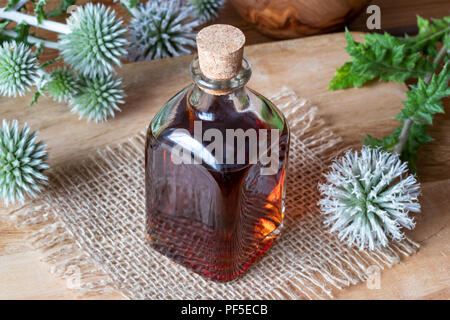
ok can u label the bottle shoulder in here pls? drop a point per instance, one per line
(241, 109)
(225, 133)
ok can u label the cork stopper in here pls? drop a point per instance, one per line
(220, 51)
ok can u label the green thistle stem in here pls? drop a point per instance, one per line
(409, 122)
(34, 40)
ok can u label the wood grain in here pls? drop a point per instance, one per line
(400, 13)
(394, 14)
(305, 65)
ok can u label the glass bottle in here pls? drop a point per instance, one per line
(216, 157)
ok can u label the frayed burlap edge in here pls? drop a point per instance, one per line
(72, 259)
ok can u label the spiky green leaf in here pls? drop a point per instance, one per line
(345, 78)
(11, 4)
(424, 100)
(61, 9)
(35, 98)
(22, 29)
(430, 32)
(39, 10)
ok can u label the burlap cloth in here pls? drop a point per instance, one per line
(89, 226)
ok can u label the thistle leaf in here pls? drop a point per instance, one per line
(35, 98)
(446, 42)
(4, 24)
(381, 56)
(344, 78)
(386, 143)
(61, 9)
(50, 62)
(385, 57)
(11, 4)
(39, 10)
(22, 29)
(397, 59)
(430, 32)
(424, 100)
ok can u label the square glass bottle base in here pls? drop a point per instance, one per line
(221, 222)
(223, 273)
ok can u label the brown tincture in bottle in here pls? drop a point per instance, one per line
(216, 210)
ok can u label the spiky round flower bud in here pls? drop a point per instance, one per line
(97, 98)
(22, 161)
(367, 197)
(206, 10)
(161, 29)
(61, 85)
(96, 41)
(18, 69)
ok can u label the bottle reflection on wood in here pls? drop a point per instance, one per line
(216, 210)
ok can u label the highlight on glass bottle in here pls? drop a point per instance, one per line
(215, 168)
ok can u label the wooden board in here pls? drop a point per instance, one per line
(305, 65)
(396, 15)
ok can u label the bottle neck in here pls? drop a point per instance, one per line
(220, 87)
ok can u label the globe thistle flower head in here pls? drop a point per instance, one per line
(18, 69)
(161, 29)
(367, 197)
(206, 10)
(61, 85)
(22, 161)
(98, 98)
(96, 41)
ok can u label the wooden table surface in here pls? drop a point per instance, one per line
(395, 15)
(426, 275)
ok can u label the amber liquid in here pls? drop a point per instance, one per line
(215, 221)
